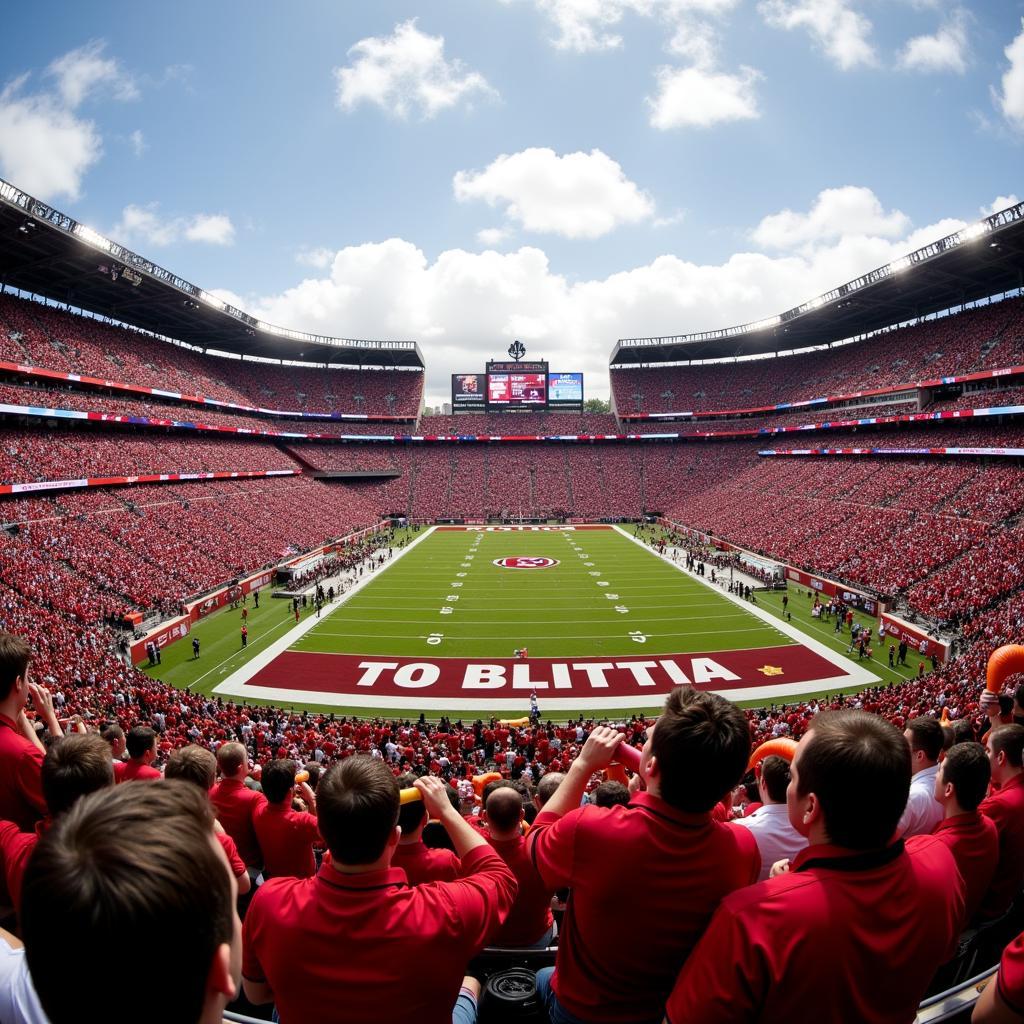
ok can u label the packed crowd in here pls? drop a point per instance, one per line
(140, 819)
(151, 547)
(29, 455)
(987, 338)
(43, 336)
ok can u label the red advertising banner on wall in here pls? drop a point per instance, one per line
(167, 634)
(916, 638)
(832, 589)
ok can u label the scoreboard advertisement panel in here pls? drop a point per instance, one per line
(468, 391)
(565, 388)
(517, 390)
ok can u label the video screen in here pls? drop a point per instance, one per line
(512, 390)
(467, 390)
(565, 387)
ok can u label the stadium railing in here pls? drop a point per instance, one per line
(953, 1006)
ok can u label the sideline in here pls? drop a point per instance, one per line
(848, 675)
(234, 684)
(858, 675)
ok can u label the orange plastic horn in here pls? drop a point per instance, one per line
(301, 777)
(407, 796)
(480, 781)
(781, 746)
(514, 721)
(1002, 662)
(944, 719)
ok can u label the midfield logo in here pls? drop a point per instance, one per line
(519, 562)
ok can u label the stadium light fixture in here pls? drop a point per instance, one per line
(899, 265)
(212, 300)
(93, 238)
(974, 231)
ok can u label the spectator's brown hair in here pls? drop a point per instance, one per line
(357, 809)
(1010, 739)
(547, 786)
(73, 767)
(702, 743)
(776, 773)
(231, 757)
(112, 732)
(858, 766)
(140, 739)
(138, 860)
(967, 768)
(611, 793)
(278, 779)
(411, 814)
(194, 764)
(926, 734)
(15, 655)
(504, 808)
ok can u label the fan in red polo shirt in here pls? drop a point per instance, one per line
(857, 927)
(141, 746)
(21, 752)
(419, 862)
(960, 786)
(357, 940)
(236, 805)
(197, 765)
(1003, 1002)
(530, 923)
(664, 844)
(286, 837)
(1006, 808)
(77, 765)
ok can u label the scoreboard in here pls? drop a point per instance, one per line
(517, 387)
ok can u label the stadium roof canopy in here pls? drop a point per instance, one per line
(47, 253)
(986, 258)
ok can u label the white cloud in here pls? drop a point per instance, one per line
(579, 195)
(493, 236)
(81, 71)
(946, 50)
(591, 26)
(837, 213)
(1010, 96)
(838, 29)
(44, 148)
(138, 142)
(465, 307)
(319, 257)
(699, 97)
(211, 228)
(144, 224)
(406, 71)
(998, 204)
(667, 222)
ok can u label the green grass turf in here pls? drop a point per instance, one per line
(555, 612)
(569, 610)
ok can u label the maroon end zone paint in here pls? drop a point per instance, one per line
(483, 679)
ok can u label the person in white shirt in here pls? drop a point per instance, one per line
(775, 837)
(925, 739)
(19, 1003)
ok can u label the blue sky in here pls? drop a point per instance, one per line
(562, 171)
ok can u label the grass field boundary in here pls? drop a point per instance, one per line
(859, 676)
(244, 673)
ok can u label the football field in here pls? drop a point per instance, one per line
(598, 621)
